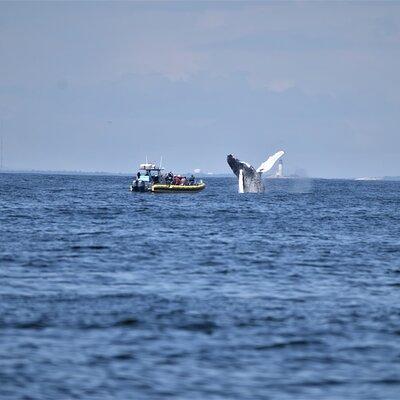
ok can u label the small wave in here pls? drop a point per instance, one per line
(89, 247)
(324, 382)
(40, 323)
(132, 321)
(387, 381)
(91, 233)
(292, 343)
(124, 356)
(207, 327)
(101, 359)
(211, 263)
(7, 257)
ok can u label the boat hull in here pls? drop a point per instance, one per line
(140, 188)
(160, 188)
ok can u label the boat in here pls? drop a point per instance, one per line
(151, 179)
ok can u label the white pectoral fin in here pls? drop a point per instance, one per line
(241, 182)
(267, 165)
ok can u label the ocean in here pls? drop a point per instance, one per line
(107, 294)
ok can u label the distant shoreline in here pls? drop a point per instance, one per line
(104, 173)
(40, 172)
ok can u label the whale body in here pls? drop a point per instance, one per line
(249, 178)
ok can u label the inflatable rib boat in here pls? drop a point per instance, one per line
(151, 179)
(162, 188)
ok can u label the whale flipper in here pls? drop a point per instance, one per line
(241, 182)
(270, 162)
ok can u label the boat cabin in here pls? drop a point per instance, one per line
(148, 171)
(148, 174)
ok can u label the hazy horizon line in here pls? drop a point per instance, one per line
(208, 174)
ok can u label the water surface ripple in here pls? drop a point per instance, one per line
(106, 294)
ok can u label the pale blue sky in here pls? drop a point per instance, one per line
(100, 85)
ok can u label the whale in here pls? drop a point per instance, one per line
(249, 178)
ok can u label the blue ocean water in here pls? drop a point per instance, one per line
(107, 294)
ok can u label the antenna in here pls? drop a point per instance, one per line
(146, 159)
(161, 162)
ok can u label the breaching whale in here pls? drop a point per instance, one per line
(249, 178)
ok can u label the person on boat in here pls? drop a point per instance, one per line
(169, 178)
(192, 180)
(177, 180)
(183, 181)
(138, 175)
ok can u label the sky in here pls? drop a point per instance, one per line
(98, 86)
